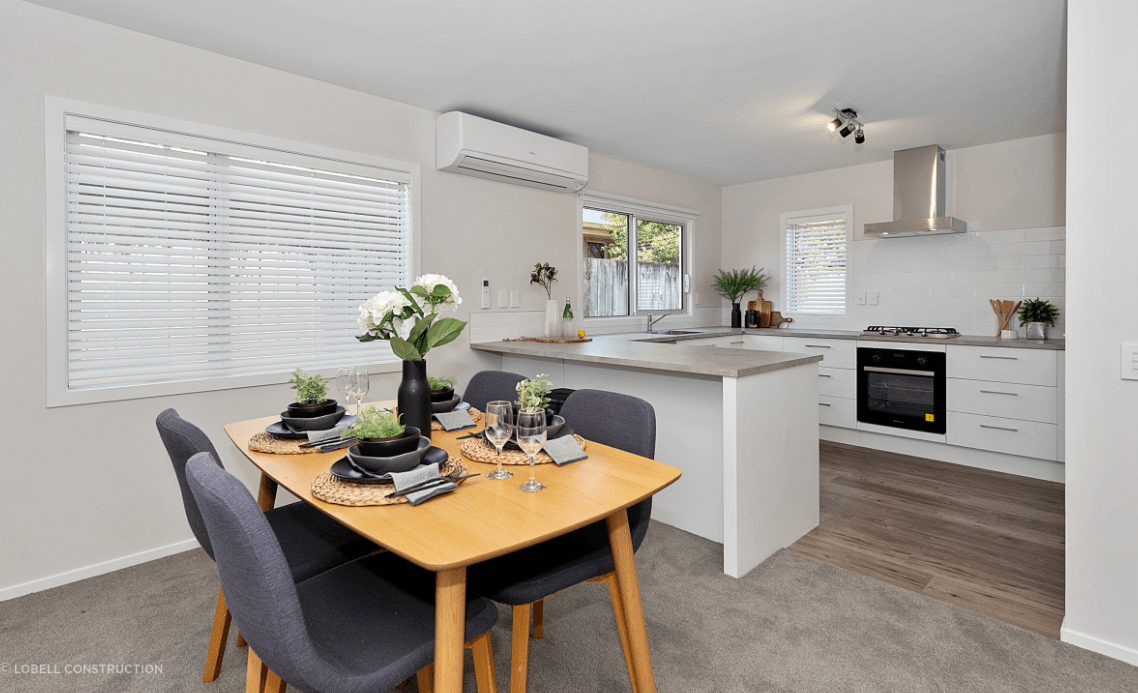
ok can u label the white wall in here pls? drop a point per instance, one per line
(1102, 466)
(1009, 193)
(89, 484)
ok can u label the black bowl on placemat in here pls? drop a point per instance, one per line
(314, 423)
(408, 442)
(391, 463)
(446, 405)
(297, 410)
(444, 395)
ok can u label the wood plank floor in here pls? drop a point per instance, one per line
(985, 541)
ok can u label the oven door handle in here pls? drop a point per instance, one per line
(898, 371)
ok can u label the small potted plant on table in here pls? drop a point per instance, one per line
(442, 387)
(1037, 313)
(311, 396)
(380, 434)
(734, 284)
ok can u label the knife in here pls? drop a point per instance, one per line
(326, 441)
(424, 485)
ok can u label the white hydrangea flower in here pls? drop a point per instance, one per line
(373, 310)
(430, 281)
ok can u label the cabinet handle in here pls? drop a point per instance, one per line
(825, 375)
(999, 428)
(824, 404)
(818, 346)
(1006, 358)
(739, 342)
(995, 392)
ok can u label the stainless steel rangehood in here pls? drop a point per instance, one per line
(918, 196)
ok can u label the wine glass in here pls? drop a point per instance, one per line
(345, 383)
(361, 385)
(501, 413)
(531, 436)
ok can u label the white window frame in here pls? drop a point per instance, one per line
(785, 218)
(56, 111)
(648, 211)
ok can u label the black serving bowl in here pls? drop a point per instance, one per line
(445, 405)
(442, 395)
(382, 464)
(312, 423)
(389, 448)
(296, 410)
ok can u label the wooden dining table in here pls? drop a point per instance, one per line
(483, 519)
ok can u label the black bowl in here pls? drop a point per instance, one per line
(382, 464)
(313, 423)
(445, 406)
(296, 410)
(390, 448)
(442, 395)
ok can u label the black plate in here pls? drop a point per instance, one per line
(281, 431)
(343, 469)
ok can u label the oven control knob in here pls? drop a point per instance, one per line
(922, 361)
(876, 358)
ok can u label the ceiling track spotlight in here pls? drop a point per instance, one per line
(846, 119)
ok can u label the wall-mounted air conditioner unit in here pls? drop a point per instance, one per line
(479, 147)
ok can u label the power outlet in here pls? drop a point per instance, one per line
(874, 298)
(515, 299)
(503, 299)
(859, 298)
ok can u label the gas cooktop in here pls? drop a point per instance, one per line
(928, 332)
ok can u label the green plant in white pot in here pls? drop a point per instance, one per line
(1037, 313)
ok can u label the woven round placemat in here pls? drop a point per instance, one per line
(267, 442)
(480, 450)
(475, 416)
(333, 490)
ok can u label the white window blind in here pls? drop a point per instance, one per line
(816, 264)
(185, 261)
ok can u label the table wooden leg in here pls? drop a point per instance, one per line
(450, 622)
(621, 542)
(267, 494)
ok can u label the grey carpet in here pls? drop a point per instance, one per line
(792, 624)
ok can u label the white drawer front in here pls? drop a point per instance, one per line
(1007, 400)
(1024, 438)
(837, 411)
(764, 343)
(837, 382)
(836, 353)
(1003, 365)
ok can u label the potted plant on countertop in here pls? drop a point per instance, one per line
(442, 387)
(380, 434)
(408, 319)
(311, 396)
(734, 284)
(1035, 314)
(545, 274)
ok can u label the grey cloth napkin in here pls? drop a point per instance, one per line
(328, 434)
(455, 420)
(564, 450)
(417, 475)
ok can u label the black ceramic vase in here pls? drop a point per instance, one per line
(414, 397)
(736, 316)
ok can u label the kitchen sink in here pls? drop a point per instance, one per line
(680, 332)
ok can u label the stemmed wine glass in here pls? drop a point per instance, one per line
(360, 386)
(345, 383)
(531, 436)
(499, 426)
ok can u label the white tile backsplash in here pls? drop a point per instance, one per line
(946, 281)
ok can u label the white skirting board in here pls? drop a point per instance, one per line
(1087, 642)
(110, 566)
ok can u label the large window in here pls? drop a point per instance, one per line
(815, 250)
(188, 260)
(633, 258)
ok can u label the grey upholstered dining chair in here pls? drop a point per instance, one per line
(487, 386)
(523, 579)
(364, 626)
(312, 542)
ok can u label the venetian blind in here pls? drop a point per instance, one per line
(816, 265)
(186, 262)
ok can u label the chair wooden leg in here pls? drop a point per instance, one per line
(621, 625)
(217, 637)
(519, 649)
(426, 679)
(538, 619)
(484, 664)
(273, 683)
(255, 674)
(241, 640)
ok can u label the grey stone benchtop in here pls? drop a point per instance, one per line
(658, 352)
(962, 340)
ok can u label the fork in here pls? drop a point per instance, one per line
(453, 477)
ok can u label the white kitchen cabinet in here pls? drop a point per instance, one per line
(764, 342)
(837, 411)
(836, 353)
(1009, 436)
(1002, 399)
(1003, 364)
(837, 382)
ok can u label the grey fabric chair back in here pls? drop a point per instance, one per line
(619, 421)
(487, 386)
(254, 574)
(183, 440)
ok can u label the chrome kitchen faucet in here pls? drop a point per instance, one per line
(652, 322)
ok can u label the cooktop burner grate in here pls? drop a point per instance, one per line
(929, 332)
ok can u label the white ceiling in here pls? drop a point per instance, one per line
(726, 91)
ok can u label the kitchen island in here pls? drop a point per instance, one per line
(741, 425)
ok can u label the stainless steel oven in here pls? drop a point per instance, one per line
(901, 388)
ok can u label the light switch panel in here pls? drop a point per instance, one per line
(515, 299)
(859, 298)
(1130, 361)
(874, 298)
(503, 299)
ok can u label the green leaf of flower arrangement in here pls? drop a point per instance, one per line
(444, 331)
(420, 328)
(404, 350)
(441, 291)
